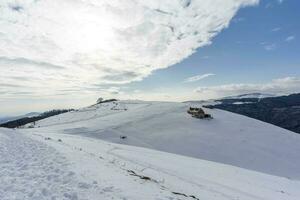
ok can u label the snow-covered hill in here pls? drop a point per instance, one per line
(81, 155)
(46, 166)
(228, 138)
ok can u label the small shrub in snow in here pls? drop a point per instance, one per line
(31, 126)
(123, 137)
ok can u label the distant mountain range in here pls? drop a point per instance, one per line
(11, 118)
(251, 95)
(14, 122)
(282, 111)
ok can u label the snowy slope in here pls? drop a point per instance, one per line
(61, 166)
(228, 138)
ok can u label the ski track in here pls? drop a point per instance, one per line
(35, 171)
(207, 186)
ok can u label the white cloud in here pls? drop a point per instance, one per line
(59, 46)
(276, 29)
(278, 86)
(270, 47)
(198, 77)
(114, 90)
(290, 38)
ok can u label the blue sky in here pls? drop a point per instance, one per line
(67, 54)
(254, 49)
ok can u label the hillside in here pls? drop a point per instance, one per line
(61, 166)
(98, 152)
(282, 111)
(228, 138)
(12, 118)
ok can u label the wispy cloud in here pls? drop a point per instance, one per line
(270, 47)
(277, 86)
(280, 1)
(206, 57)
(64, 44)
(239, 19)
(276, 29)
(290, 38)
(198, 77)
(271, 4)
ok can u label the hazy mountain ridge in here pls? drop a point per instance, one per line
(282, 111)
(32, 117)
(250, 96)
(11, 118)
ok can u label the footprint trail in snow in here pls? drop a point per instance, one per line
(32, 170)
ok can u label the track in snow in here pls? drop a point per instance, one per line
(32, 170)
